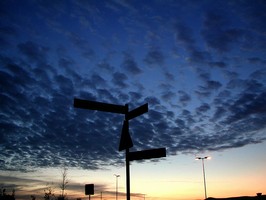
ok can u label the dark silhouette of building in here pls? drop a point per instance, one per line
(259, 196)
(7, 197)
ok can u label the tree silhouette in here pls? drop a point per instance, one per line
(49, 193)
(63, 184)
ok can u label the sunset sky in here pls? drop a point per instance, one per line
(199, 64)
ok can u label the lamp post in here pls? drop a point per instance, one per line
(116, 192)
(203, 169)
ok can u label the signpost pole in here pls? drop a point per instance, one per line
(127, 174)
(127, 158)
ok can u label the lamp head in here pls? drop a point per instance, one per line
(202, 158)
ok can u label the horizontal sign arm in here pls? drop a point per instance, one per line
(93, 105)
(137, 112)
(147, 154)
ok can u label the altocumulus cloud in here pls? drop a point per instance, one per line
(203, 101)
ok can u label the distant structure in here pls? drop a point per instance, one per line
(5, 196)
(259, 196)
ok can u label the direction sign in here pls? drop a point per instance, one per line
(147, 154)
(125, 139)
(136, 112)
(94, 105)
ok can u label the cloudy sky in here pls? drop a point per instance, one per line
(200, 66)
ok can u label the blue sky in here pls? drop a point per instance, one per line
(200, 65)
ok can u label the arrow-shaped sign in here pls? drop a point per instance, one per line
(125, 139)
(137, 112)
(147, 154)
(94, 105)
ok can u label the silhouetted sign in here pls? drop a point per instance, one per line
(125, 139)
(147, 154)
(93, 105)
(137, 112)
(89, 189)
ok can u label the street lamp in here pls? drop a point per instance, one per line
(116, 176)
(203, 169)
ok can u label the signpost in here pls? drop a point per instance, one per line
(125, 140)
(89, 190)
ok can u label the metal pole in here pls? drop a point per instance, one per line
(127, 174)
(203, 168)
(116, 192)
(127, 160)
(116, 187)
